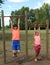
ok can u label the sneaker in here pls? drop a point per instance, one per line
(40, 58)
(35, 59)
(14, 55)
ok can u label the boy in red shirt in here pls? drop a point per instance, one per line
(15, 29)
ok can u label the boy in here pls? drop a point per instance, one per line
(15, 29)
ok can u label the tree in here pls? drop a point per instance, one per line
(31, 15)
(46, 8)
(37, 16)
(1, 1)
(0, 23)
(20, 12)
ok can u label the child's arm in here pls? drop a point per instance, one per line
(49, 31)
(11, 24)
(19, 23)
(34, 29)
(39, 29)
(39, 32)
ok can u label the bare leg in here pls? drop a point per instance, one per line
(37, 55)
(18, 51)
(14, 52)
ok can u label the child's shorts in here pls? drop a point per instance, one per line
(15, 44)
(37, 48)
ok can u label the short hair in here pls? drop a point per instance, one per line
(15, 25)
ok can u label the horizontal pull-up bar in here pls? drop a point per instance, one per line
(37, 25)
(16, 16)
(42, 24)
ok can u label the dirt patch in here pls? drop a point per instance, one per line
(22, 60)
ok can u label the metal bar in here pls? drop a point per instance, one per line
(42, 24)
(15, 16)
(37, 25)
(3, 36)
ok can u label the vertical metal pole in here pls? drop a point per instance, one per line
(3, 36)
(26, 26)
(47, 28)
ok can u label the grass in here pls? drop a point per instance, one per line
(23, 43)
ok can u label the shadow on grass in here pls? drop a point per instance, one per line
(20, 60)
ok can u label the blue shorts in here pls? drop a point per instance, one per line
(15, 44)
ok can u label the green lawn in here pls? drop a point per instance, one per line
(23, 43)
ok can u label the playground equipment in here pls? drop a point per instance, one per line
(37, 25)
(4, 48)
(26, 33)
(47, 30)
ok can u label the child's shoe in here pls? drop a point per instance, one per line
(39, 59)
(35, 59)
(14, 55)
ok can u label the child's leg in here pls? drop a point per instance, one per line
(14, 52)
(37, 51)
(18, 47)
(37, 54)
(18, 51)
(13, 47)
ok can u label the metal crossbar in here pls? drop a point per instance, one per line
(17, 16)
(37, 25)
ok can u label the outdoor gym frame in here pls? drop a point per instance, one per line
(3, 34)
(26, 33)
(47, 32)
